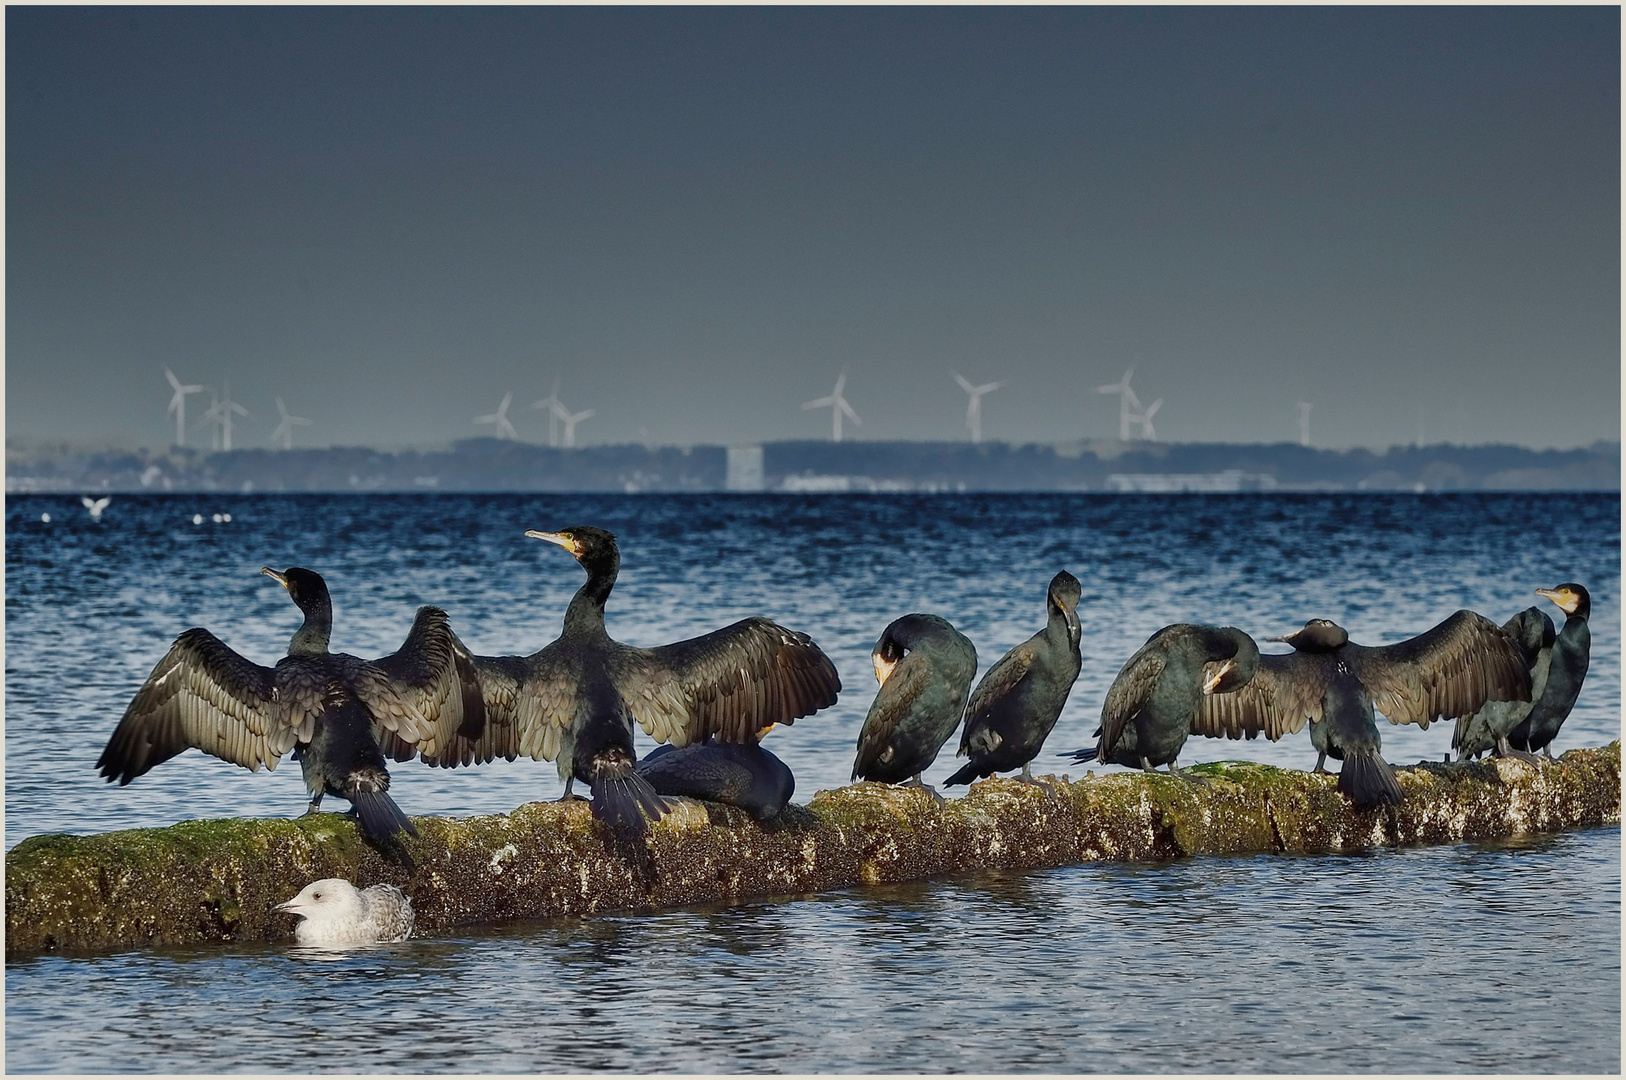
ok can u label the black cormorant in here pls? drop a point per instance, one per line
(1334, 684)
(575, 701)
(1017, 702)
(925, 668)
(1532, 631)
(735, 774)
(1149, 710)
(333, 710)
(1572, 651)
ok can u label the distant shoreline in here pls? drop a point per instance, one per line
(814, 467)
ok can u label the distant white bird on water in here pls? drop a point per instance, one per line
(334, 912)
(95, 506)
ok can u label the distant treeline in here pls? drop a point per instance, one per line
(1105, 465)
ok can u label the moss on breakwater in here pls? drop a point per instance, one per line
(216, 881)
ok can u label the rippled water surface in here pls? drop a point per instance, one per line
(1457, 958)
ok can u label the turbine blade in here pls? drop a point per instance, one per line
(821, 403)
(848, 409)
(965, 384)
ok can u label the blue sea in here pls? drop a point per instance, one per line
(1478, 957)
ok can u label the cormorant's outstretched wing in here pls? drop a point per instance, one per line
(1285, 694)
(529, 702)
(996, 682)
(734, 683)
(206, 695)
(436, 674)
(1446, 672)
(893, 704)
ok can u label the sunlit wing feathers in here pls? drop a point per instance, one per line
(1446, 672)
(529, 702)
(892, 705)
(1285, 694)
(733, 683)
(999, 680)
(204, 694)
(429, 671)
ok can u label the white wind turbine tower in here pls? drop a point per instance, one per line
(177, 404)
(285, 429)
(1129, 410)
(553, 405)
(499, 419)
(973, 411)
(1304, 423)
(570, 420)
(1144, 419)
(837, 405)
(220, 412)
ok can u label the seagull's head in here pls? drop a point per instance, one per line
(326, 900)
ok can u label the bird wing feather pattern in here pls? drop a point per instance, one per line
(428, 672)
(1134, 682)
(892, 705)
(1285, 694)
(529, 702)
(206, 695)
(1000, 680)
(732, 683)
(1442, 673)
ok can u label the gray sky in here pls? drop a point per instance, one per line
(697, 218)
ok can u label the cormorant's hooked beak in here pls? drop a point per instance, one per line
(883, 668)
(567, 542)
(1218, 676)
(276, 577)
(1566, 600)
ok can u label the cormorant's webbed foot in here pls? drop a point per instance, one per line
(315, 807)
(1321, 764)
(1505, 749)
(1027, 778)
(917, 782)
(1173, 771)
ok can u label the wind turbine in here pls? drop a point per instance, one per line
(504, 430)
(285, 429)
(571, 420)
(837, 405)
(177, 404)
(95, 506)
(1128, 404)
(1304, 423)
(1144, 419)
(973, 411)
(220, 411)
(553, 405)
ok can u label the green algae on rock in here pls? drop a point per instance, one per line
(216, 881)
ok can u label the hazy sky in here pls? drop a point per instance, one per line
(697, 218)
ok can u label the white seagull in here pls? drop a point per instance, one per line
(334, 912)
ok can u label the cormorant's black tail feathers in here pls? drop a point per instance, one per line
(380, 818)
(627, 803)
(1087, 754)
(968, 772)
(1369, 781)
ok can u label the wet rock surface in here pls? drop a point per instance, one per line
(216, 881)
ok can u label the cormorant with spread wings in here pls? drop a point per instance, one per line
(333, 710)
(1334, 684)
(575, 701)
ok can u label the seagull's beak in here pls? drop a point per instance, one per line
(1219, 674)
(566, 542)
(883, 668)
(290, 906)
(276, 577)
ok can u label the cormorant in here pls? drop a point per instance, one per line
(1334, 684)
(925, 668)
(1572, 650)
(1532, 631)
(334, 912)
(575, 700)
(1017, 702)
(735, 774)
(1149, 710)
(333, 710)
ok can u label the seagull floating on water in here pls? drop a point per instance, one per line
(334, 912)
(95, 506)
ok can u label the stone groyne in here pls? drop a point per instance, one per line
(216, 881)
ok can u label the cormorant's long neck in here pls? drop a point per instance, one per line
(311, 639)
(585, 616)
